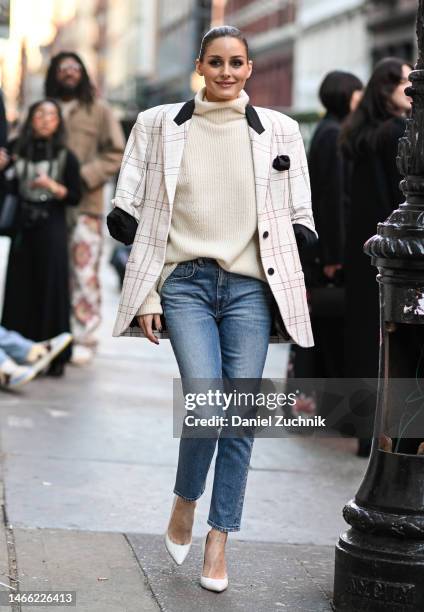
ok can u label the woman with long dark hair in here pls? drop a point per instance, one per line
(46, 178)
(213, 193)
(339, 93)
(370, 141)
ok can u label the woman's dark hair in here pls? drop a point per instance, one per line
(85, 91)
(336, 92)
(219, 32)
(25, 142)
(374, 108)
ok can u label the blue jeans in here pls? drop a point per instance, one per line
(219, 325)
(13, 346)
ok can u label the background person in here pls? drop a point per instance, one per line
(46, 178)
(95, 136)
(217, 266)
(340, 93)
(370, 140)
(21, 359)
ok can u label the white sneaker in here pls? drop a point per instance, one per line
(81, 355)
(54, 347)
(13, 376)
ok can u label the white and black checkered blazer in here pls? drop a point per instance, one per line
(146, 190)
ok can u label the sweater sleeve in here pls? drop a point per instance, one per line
(151, 304)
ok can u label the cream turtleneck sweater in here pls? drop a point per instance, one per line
(214, 212)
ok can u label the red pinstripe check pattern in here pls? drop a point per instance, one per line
(146, 190)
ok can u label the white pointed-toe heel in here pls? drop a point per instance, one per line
(212, 584)
(177, 551)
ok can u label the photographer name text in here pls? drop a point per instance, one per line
(272, 420)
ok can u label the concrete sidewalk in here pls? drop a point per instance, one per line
(88, 470)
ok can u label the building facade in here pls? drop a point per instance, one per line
(141, 53)
(180, 27)
(331, 35)
(270, 27)
(391, 24)
(81, 35)
(130, 53)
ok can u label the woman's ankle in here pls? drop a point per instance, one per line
(214, 564)
(188, 503)
(217, 535)
(181, 521)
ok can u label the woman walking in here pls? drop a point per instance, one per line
(216, 192)
(370, 141)
(46, 177)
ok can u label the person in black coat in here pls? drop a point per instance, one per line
(339, 93)
(370, 141)
(46, 177)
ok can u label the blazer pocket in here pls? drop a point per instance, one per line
(281, 163)
(183, 271)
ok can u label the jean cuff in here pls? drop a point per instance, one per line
(224, 529)
(188, 498)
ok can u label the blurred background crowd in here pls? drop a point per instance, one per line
(339, 67)
(140, 53)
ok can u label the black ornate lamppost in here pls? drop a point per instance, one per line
(380, 559)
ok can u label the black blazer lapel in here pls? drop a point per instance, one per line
(185, 113)
(253, 119)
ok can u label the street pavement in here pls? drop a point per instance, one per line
(88, 467)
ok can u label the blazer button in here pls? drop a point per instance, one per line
(270, 271)
(265, 235)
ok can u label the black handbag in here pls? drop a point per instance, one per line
(326, 298)
(9, 212)
(327, 302)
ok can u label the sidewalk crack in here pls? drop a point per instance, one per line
(144, 574)
(11, 553)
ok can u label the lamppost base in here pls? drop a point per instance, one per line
(378, 573)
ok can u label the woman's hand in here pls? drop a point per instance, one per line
(145, 322)
(330, 271)
(43, 181)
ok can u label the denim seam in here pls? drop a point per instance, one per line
(239, 508)
(188, 498)
(220, 528)
(218, 279)
(243, 488)
(171, 278)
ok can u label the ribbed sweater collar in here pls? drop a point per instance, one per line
(203, 106)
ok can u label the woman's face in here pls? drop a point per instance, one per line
(355, 99)
(45, 120)
(225, 68)
(401, 102)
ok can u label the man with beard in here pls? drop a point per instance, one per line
(96, 138)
